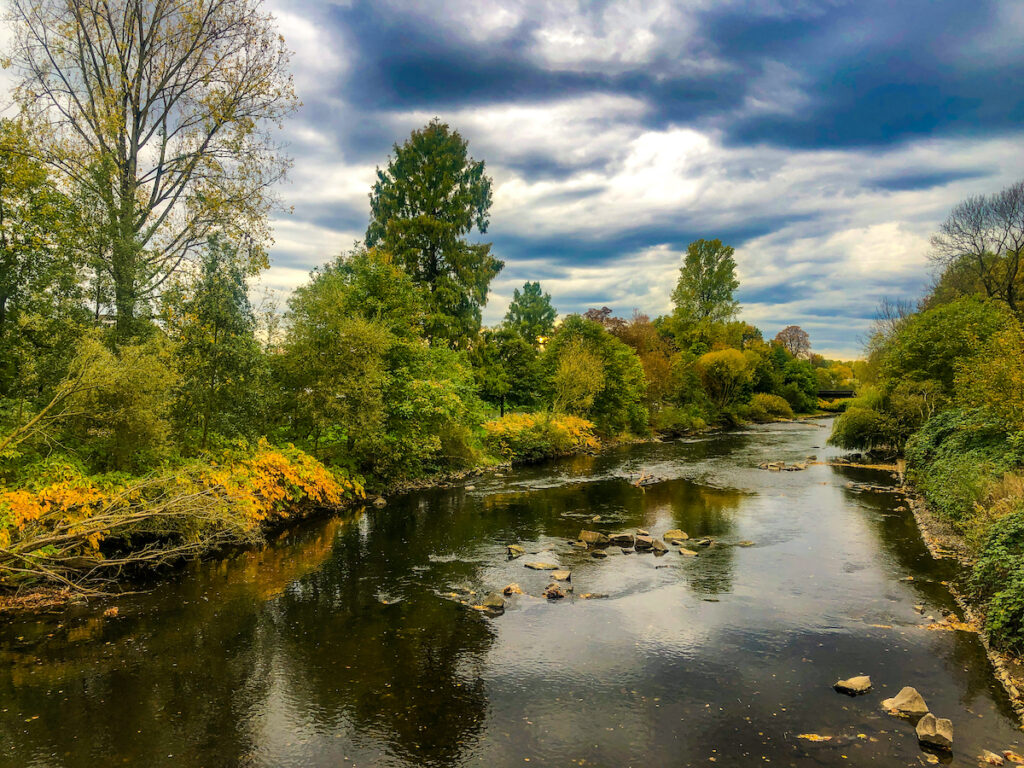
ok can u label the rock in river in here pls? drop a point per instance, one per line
(541, 566)
(561, 575)
(908, 702)
(659, 547)
(621, 539)
(599, 553)
(675, 535)
(514, 550)
(554, 592)
(643, 542)
(593, 538)
(687, 552)
(935, 732)
(512, 589)
(854, 686)
(494, 603)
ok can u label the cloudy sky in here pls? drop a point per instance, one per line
(824, 140)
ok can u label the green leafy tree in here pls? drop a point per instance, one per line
(334, 366)
(591, 373)
(726, 377)
(707, 283)
(221, 363)
(422, 207)
(506, 369)
(120, 416)
(531, 314)
(41, 313)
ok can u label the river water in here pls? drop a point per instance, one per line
(345, 643)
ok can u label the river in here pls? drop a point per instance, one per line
(345, 642)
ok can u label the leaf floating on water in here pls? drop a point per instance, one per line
(814, 737)
(951, 624)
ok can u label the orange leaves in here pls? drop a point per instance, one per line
(269, 483)
(231, 498)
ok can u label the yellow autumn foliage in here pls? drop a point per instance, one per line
(55, 526)
(532, 436)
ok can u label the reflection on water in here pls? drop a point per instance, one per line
(355, 642)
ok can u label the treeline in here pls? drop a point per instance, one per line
(149, 410)
(943, 385)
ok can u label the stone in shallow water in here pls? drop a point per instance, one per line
(907, 702)
(854, 685)
(687, 552)
(541, 566)
(675, 535)
(593, 538)
(621, 539)
(512, 589)
(554, 592)
(659, 547)
(744, 543)
(599, 553)
(561, 575)
(494, 603)
(935, 731)
(643, 542)
(514, 550)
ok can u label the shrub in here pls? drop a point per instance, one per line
(66, 526)
(525, 437)
(726, 376)
(861, 428)
(954, 459)
(675, 421)
(765, 407)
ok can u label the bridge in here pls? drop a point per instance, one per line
(835, 394)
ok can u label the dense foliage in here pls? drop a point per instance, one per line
(944, 386)
(169, 432)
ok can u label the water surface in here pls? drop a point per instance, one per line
(346, 643)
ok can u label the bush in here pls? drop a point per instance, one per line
(765, 407)
(861, 428)
(998, 578)
(526, 437)
(66, 526)
(955, 457)
(676, 421)
(800, 385)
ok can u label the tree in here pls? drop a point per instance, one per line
(984, 234)
(220, 361)
(505, 365)
(795, 340)
(707, 284)
(161, 110)
(531, 314)
(930, 345)
(726, 377)
(40, 269)
(335, 369)
(422, 207)
(593, 374)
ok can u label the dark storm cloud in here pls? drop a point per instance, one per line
(787, 128)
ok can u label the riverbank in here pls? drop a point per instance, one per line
(50, 598)
(944, 542)
(350, 640)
